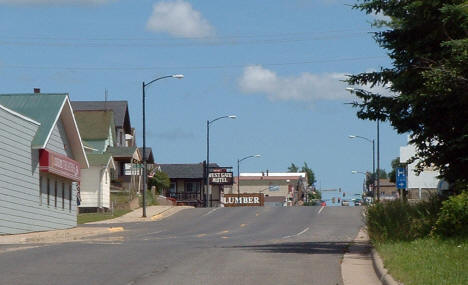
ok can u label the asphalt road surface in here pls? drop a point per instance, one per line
(251, 245)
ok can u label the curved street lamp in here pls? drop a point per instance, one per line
(238, 172)
(362, 91)
(373, 161)
(145, 174)
(208, 123)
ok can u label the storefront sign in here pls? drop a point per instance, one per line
(59, 164)
(221, 178)
(243, 200)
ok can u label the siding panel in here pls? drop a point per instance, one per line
(21, 209)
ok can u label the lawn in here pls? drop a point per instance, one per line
(94, 217)
(427, 261)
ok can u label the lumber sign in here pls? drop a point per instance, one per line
(243, 200)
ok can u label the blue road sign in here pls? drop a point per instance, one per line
(401, 178)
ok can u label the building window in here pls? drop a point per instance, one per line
(55, 194)
(48, 191)
(120, 139)
(191, 187)
(40, 190)
(70, 196)
(63, 195)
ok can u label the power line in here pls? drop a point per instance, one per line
(309, 33)
(76, 43)
(181, 67)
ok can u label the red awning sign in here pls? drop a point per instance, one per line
(59, 164)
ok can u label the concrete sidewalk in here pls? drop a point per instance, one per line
(154, 213)
(357, 267)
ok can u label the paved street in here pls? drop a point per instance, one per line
(282, 245)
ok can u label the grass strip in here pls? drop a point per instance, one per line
(427, 261)
(94, 217)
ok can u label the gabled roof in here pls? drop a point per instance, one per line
(101, 160)
(148, 154)
(119, 108)
(186, 170)
(47, 109)
(44, 109)
(95, 125)
(130, 152)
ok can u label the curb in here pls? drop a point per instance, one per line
(381, 271)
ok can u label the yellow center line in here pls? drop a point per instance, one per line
(116, 229)
(156, 217)
(242, 225)
(223, 232)
(201, 235)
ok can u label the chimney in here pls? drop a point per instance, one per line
(37, 90)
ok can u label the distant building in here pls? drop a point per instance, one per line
(125, 134)
(280, 188)
(108, 130)
(97, 134)
(420, 186)
(42, 158)
(187, 184)
(96, 182)
(388, 190)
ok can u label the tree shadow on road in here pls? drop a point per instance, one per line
(330, 247)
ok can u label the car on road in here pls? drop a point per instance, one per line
(345, 203)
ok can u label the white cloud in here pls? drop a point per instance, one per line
(179, 19)
(306, 87)
(21, 2)
(381, 17)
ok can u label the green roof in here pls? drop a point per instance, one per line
(96, 144)
(94, 125)
(43, 109)
(98, 159)
(122, 151)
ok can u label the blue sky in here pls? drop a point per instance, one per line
(277, 65)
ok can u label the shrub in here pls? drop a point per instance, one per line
(400, 221)
(453, 217)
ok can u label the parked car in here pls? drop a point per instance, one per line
(345, 203)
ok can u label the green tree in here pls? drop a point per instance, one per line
(428, 45)
(293, 168)
(310, 174)
(160, 180)
(383, 174)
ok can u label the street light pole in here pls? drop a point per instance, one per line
(378, 161)
(207, 171)
(238, 172)
(145, 170)
(373, 159)
(362, 91)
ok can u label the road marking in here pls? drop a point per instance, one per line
(201, 235)
(223, 232)
(156, 217)
(224, 237)
(321, 209)
(116, 229)
(257, 214)
(298, 234)
(206, 214)
(242, 225)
